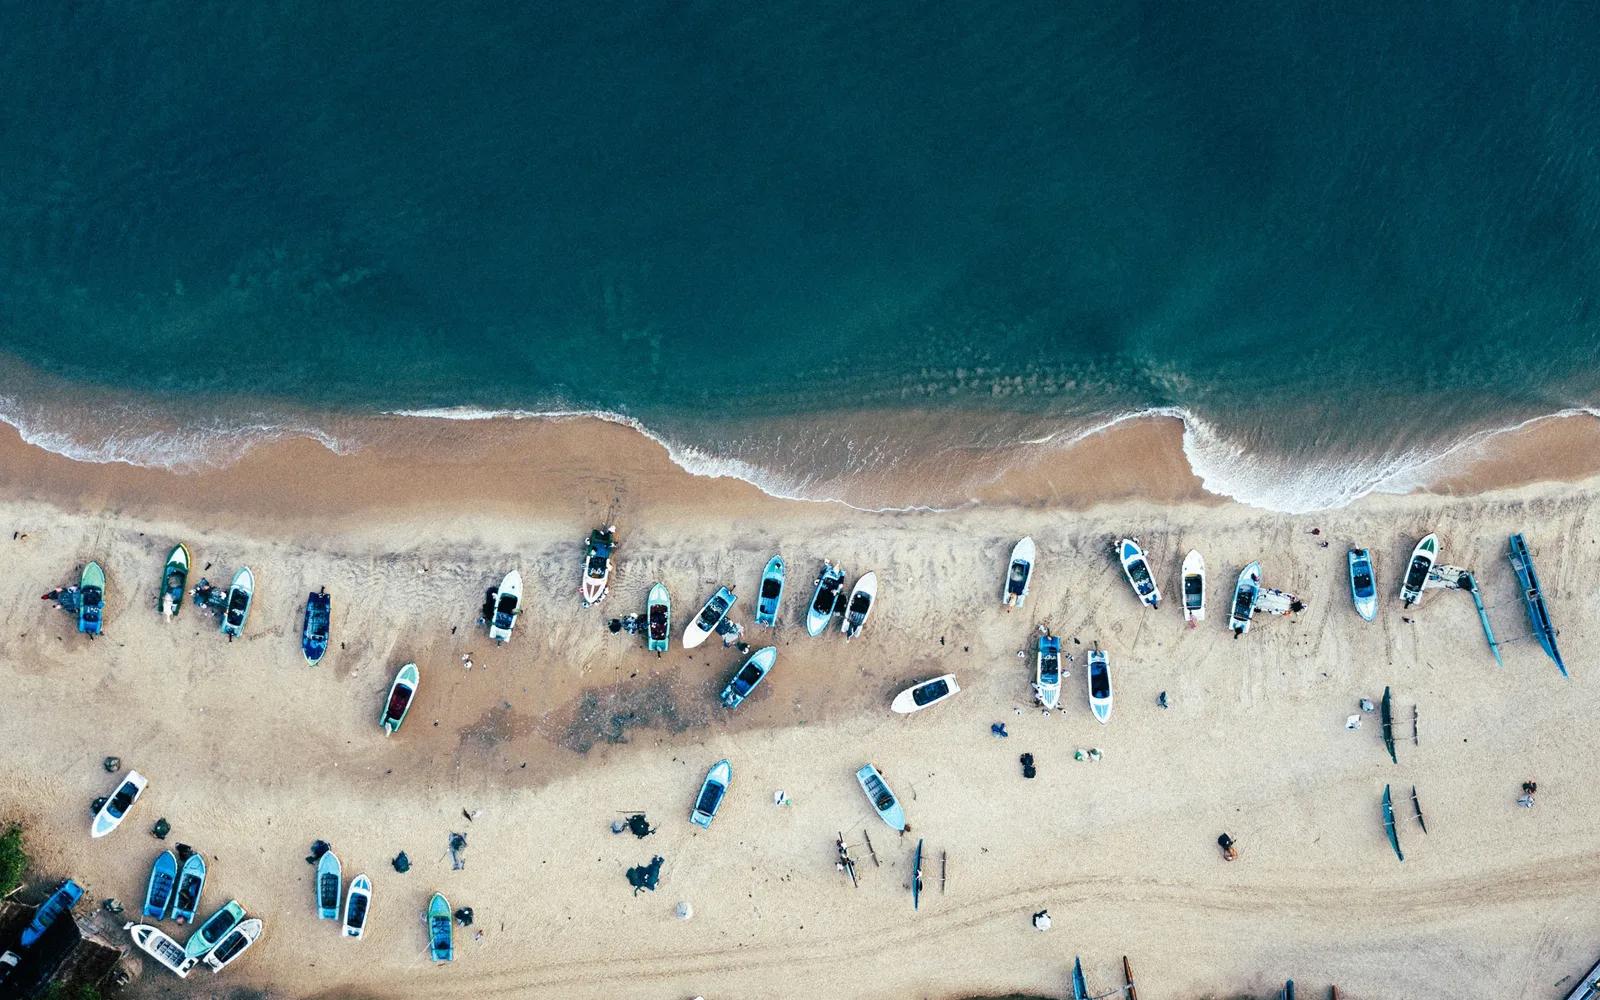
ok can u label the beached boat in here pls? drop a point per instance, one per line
(1416, 578)
(883, 800)
(597, 565)
(110, 815)
(153, 941)
(314, 634)
(240, 593)
(1388, 823)
(921, 695)
(658, 619)
(158, 891)
(507, 606)
(1047, 671)
(236, 943)
(1245, 590)
(1363, 589)
(174, 581)
(356, 904)
(824, 599)
(1194, 588)
(330, 885)
(745, 679)
(402, 691)
(1588, 988)
(1080, 986)
(91, 599)
(859, 606)
(1019, 574)
(712, 791)
(1137, 569)
(441, 931)
(711, 614)
(1533, 600)
(215, 928)
(56, 906)
(771, 595)
(916, 877)
(191, 883)
(1099, 685)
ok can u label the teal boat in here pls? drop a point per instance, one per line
(745, 679)
(174, 581)
(1388, 823)
(1533, 600)
(57, 906)
(1080, 987)
(441, 932)
(314, 634)
(191, 882)
(216, 927)
(658, 619)
(330, 885)
(158, 892)
(91, 599)
(771, 593)
(1363, 590)
(883, 800)
(825, 599)
(1386, 716)
(401, 693)
(712, 791)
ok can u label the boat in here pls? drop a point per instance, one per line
(191, 882)
(711, 614)
(158, 891)
(441, 932)
(1588, 988)
(824, 599)
(1194, 588)
(330, 885)
(56, 906)
(1047, 671)
(1456, 578)
(1099, 685)
(916, 877)
(402, 691)
(1244, 599)
(1363, 591)
(771, 593)
(1388, 823)
(658, 619)
(924, 693)
(356, 904)
(1080, 987)
(1019, 573)
(174, 581)
(1422, 560)
(597, 564)
(314, 635)
(110, 815)
(1416, 804)
(882, 799)
(745, 679)
(215, 928)
(237, 942)
(1533, 600)
(1287, 993)
(91, 599)
(1386, 718)
(1137, 569)
(507, 606)
(859, 606)
(240, 593)
(155, 942)
(712, 791)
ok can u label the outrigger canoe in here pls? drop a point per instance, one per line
(712, 791)
(771, 595)
(158, 891)
(402, 692)
(330, 885)
(91, 599)
(356, 904)
(1533, 600)
(1099, 685)
(507, 606)
(597, 565)
(1363, 589)
(824, 599)
(314, 635)
(235, 944)
(111, 814)
(1137, 569)
(1047, 671)
(1244, 599)
(658, 619)
(191, 883)
(240, 593)
(1019, 573)
(1194, 588)
(59, 904)
(209, 934)
(711, 614)
(883, 800)
(441, 931)
(916, 877)
(1422, 560)
(745, 679)
(919, 696)
(174, 581)
(1388, 824)
(859, 606)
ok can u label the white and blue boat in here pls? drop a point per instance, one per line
(1245, 592)
(158, 891)
(745, 679)
(1137, 569)
(1099, 685)
(1047, 671)
(314, 635)
(771, 593)
(240, 593)
(825, 599)
(191, 883)
(1422, 559)
(216, 927)
(58, 905)
(91, 599)
(1363, 589)
(330, 885)
(111, 814)
(1533, 600)
(711, 615)
(883, 800)
(712, 791)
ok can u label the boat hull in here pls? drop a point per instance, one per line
(1019, 574)
(767, 604)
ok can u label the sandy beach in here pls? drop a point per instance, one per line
(547, 740)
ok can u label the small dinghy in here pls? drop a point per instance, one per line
(235, 944)
(158, 891)
(1099, 685)
(712, 792)
(824, 599)
(91, 599)
(658, 619)
(1019, 573)
(111, 814)
(771, 593)
(441, 932)
(1194, 588)
(58, 905)
(859, 606)
(597, 564)
(1422, 560)
(883, 800)
(1363, 590)
(174, 581)
(507, 606)
(1137, 569)
(330, 885)
(919, 696)
(356, 904)
(209, 934)
(154, 942)
(240, 593)
(314, 635)
(1244, 599)
(401, 693)
(191, 882)
(745, 679)
(1047, 671)
(711, 614)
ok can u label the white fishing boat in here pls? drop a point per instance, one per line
(925, 694)
(1194, 588)
(856, 610)
(1019, 574)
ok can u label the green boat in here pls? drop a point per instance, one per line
(401, 693)
(91, 599)
(216, 927)
(174, 581)
(441, 932)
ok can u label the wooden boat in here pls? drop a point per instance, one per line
(1099, 685)
(356, 904)
(174, 581)
(658, 619)
(771, 595)
(1386, 719)
(236, 943)
(924, 693)
(1363, 589)
(711, 614)
(712, 791)
(597, 565)
(859, 606)
(1533, 600)
(1388, 823)
(154, 942)
(1047, 671)
(883, 800)
(191, 883)
(916, 877)
(58, 905)
(240, 593)
(1245, 590)
(752, 673)
(1194, 588)
(1019, 574)
(441, 930)
(507, 606)
(402, 691)
(330, 885)
(314, 634)
(111, 814)
(216, 927)
(1137, 570)
(824, 599)
(158, 891)
(91, 599)
(1416, 578)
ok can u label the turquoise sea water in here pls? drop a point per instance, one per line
(1336, 239)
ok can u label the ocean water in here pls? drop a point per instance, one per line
(800, 241)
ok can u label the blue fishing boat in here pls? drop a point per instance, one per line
(883, 800)
(1080, 988)
(658, 619)
(314, 635)
(771, 593)
(163, 879)
(330, 885)
(60, 903)
(191, 882)
(712, 791)
(825, 599)
(1363, 590)
(745, 679)
(1533, 600)
(441, 932)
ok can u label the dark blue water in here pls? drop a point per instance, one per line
(1333, 238)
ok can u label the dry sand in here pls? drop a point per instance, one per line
(252, 755)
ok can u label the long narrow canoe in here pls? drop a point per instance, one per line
(1387, 717)
(1080, 988)
(1533, 600)
(916, 878)
(1388, 823)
